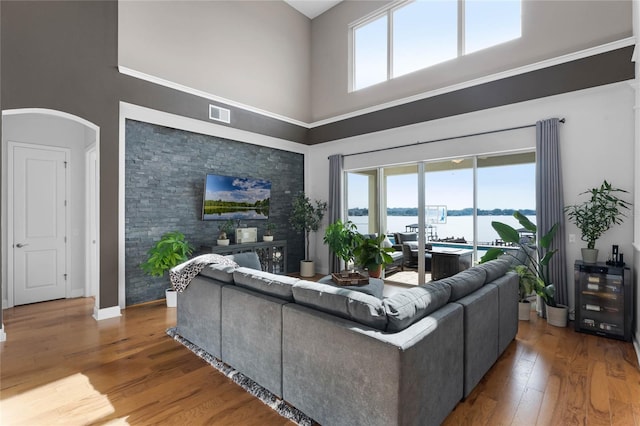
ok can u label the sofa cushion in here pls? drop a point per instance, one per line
(465, 282)
(247, 259)
(219, 272)
(495, 268)
(374, 288)
(403, 237)
(265, 282)
(410, 305)
(349, 304)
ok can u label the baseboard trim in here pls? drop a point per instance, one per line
(3, 335)
(106, 313)
(77, 293)
(636, 346)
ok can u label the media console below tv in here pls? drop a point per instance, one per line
(272, 254)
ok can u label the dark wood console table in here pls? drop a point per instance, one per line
(272, 254)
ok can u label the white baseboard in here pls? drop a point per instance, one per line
(636, 346)
(5, 303)
(3, 335)
(106, 313)
(76, 293)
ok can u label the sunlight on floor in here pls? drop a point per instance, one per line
(63, 401)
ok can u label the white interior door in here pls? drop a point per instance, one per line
(38, 216)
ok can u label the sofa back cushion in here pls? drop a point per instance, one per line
(465, 282)
(412, 304)
(247, 259)
(349, 304)
(403, 237)
(495, 268)
(219, 272)
(279, 286)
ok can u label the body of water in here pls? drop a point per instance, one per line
(456, 226)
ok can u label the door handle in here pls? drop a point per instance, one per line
(20, 245)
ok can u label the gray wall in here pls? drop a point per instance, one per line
(62, 55)
(253, 52)
(549, 29)
(165, 172)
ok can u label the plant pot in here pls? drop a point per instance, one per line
(375, 272)
(172, 297)
(267, 238)
(307, 268)
(223, 242)
(524, 310)
(589, 255)
(557, 316)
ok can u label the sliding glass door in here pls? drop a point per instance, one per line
(461, 197)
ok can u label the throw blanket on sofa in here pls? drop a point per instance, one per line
(182, 274)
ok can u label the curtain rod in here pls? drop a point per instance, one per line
(562, 120)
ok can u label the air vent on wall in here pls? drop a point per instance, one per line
(219, 114)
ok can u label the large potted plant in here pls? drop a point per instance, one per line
(370, 254)
(306, 217)
(536, 259)
(342, 239)
(596, 215)
(170, 250)
(527, 283)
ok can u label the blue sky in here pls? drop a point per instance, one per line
(229, 188)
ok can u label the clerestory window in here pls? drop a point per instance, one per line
(412, 35)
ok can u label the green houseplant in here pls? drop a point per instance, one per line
(536, 261)
(369, 253)
(268, 235)
(596, 215)
(306, 217)
(170, 250)
(225, 228)
(342, 239)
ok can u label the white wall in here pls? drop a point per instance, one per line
(54, 131)
(252, 52)
(549, 29)
(596, 144)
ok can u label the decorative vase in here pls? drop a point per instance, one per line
(267, 238)
(589, 255)
(223, 242)
(557, 316)
(307, 268)
(524, 310)
(172, 297)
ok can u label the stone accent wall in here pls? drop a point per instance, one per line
(165, 174)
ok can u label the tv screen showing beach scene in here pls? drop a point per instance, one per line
(237, 198)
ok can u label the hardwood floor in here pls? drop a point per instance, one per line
(59, 366)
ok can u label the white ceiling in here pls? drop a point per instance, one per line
(312, 8)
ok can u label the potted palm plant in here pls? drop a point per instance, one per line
(370, 254)
(596, 215)
(306, 217)
(342, 239)
(537, 261)
(170, 250)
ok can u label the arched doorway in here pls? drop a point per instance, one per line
(30, 138)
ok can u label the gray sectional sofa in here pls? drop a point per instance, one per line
(348, 358)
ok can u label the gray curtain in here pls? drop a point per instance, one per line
(334, 208)
(550, 201)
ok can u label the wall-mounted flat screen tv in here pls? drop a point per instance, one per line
(237, 198)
